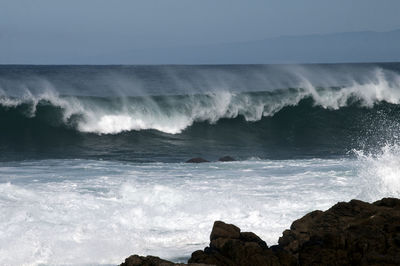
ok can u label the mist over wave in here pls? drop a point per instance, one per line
(174, 113)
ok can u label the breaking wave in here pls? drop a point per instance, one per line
(174, 113)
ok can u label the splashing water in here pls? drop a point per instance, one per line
(380, 173)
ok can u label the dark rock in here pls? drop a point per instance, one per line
(251, 237)
(136, 260)
(223, 230)
(197, 160)
(231, 247)
(355, 233)
(226, 159)
(388, 202)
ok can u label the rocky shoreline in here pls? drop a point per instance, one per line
(349, 233)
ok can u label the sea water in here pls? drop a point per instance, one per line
(92, 157)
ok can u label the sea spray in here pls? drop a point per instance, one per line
(172, 114)
(112, 100)
(379, 173)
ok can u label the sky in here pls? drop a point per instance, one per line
(35, 31)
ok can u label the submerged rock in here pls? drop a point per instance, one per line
(226, 159)
(353, 233)
(197, 160)
(136, 260)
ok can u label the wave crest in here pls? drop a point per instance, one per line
(174, 113)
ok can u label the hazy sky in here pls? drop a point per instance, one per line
(61, 28)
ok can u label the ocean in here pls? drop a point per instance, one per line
(92, 158)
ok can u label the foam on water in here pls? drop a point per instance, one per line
(95, 212)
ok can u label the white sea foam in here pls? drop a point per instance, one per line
(95, 212)
(99, 212)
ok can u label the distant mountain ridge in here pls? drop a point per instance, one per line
(365, 46)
